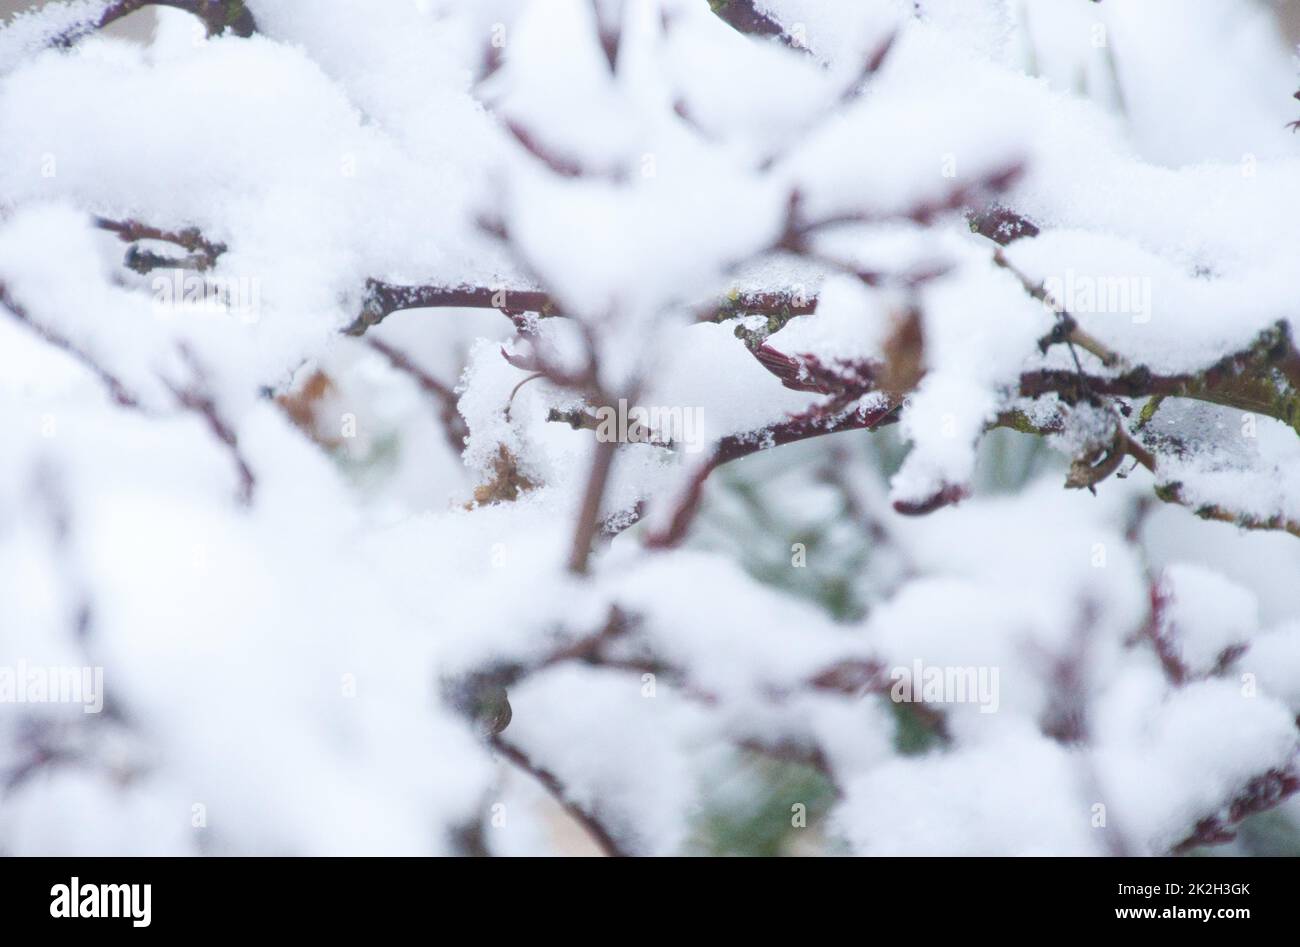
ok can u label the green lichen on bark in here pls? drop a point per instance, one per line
(1262, 379)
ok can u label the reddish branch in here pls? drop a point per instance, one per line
(1163, 634)
(203, 252)
(744, 17)
(759, 303)
(735, 446)
(448, 410)
(1259, 795)
(609, 29)
(870, 66)
(800, 229)
(117, 389)
(1263, 378)
(589, 522)
(382, 299)
(603, 838)
(1067, 328)
(1245, 380)
(1173, 493)
(556, 163)
(217, 17)
(1160, 634)
(852, 678)
(197, 398)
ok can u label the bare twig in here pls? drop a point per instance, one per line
(449, 412)
(383, 299)
(1262, 793)
(1067, 328)
(203, 252)
(602, 462)
(198, 399)
(117, 389)
(735, 446)
(603, 838)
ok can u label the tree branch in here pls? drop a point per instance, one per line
(1259, 795)
(602, 462)
(1067, 328)
(743, 16)
(449, 412)
(603, 838)
(198, 399)
(1263, 379)
(217, 17)
(195, 398)
(117, 389)
(735, 446)
(1173, 493)
(203, 252)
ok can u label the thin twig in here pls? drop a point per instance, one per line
(1067, 329)
(203, 252)
(1262, 793)
(117, 389)
(603, 838)
(735, 446)
(449, 411)
(198, 399)
(602, 462)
